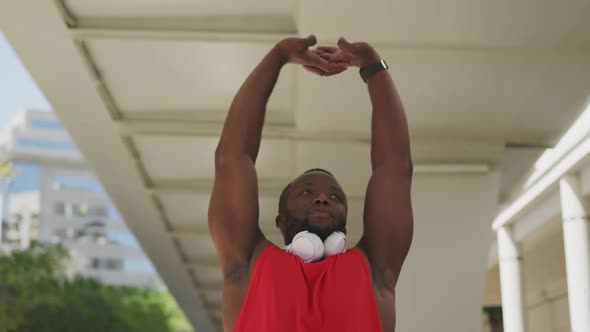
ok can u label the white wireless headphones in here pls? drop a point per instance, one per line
(310, 247)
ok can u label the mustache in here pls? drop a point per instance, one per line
(316, 209)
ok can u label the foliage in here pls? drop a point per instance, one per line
(36, 296)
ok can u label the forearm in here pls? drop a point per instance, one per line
(243, 125)
(390, 142)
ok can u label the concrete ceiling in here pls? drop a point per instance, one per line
(144, 86)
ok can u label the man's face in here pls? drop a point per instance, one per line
(315, 203)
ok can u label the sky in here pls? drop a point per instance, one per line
(17, 88)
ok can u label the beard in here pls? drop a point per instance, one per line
(295, 225)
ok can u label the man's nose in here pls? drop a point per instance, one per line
(321, 199)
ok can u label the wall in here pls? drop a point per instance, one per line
(442, 283)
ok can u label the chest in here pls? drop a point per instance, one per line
(316, 289)
(331, 295)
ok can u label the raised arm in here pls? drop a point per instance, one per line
(388, 220)
(233, 208)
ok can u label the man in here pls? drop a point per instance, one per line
(269, 289)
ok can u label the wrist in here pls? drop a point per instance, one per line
(279, 54)
(371, 58)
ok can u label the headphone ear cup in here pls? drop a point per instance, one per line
(335, 244)
(308, 246)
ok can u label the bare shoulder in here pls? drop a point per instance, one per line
(235, 288)
(256, 254)
(382, 279)
(384, 293)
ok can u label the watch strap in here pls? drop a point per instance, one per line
(372, 69)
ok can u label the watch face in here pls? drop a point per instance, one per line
(373, 69)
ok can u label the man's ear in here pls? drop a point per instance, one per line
(280, 222)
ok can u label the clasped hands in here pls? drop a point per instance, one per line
(326, 60)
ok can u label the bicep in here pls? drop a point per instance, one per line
(388, 220)
(233, 213)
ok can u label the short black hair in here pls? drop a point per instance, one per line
(285, 192)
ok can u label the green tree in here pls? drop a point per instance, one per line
(35, 296)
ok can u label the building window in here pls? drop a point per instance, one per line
(27, 177)
(102, 263)
(60, 209)
(77, 183)
(46, 124)
(80, 210)
(97, 211)
(114, 214)
(139, 266)
(45, 144)
(123, 238)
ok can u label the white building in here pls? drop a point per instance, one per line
(539, 267)
(50, 196)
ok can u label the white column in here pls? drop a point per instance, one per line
(25, 228)
(6, 183)
(46, 204)
(513, 308)
(576, 233)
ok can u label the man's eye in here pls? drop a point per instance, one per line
(334, 196)
(306, 192)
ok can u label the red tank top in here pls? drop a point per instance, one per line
(287, 295)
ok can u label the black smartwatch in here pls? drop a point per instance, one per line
(373, 69)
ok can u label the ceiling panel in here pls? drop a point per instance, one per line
(182, 157)
(350, 163)
(185, 209)
(212, 297)
(459, 93)
(164, 75)
(519, 24)
(207, 275)
(198, 247)
(515, 170)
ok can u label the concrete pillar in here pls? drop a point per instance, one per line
(576, 233)
(513, 307)
(25, 228)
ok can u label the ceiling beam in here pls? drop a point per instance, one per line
(174, 119)
(215, 315)
(217, 284)
(265, 185)
(201, 229)
(278, 23)
(212, 304)
(273, 185)
(211, 261)
(278, 124)
(148, 32)
(276, 127)
(171, 29)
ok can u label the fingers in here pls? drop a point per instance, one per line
(310, 41)
(339, 57)
(314, 70)
(344, 45)
(321, 53)
(327, 49)
(322, 63)
(320, 72)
